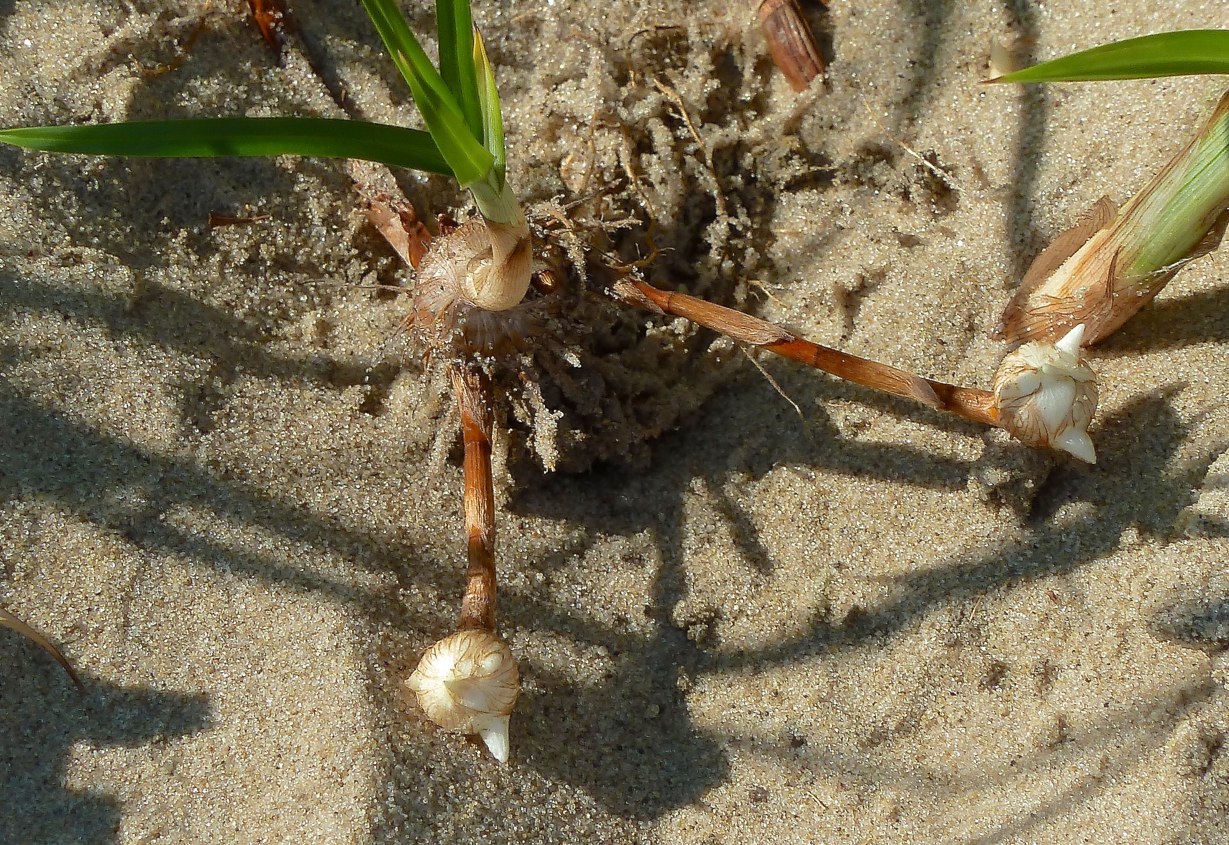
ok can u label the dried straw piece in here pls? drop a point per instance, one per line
(8, 620)
(270, 18)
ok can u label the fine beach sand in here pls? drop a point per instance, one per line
(231, 493)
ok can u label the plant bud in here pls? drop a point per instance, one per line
(1046, 395)
(468, 682)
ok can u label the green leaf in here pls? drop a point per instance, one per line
(456, 33)
(1194, 51)
(469, 160)
(241, 136)
(488, 100)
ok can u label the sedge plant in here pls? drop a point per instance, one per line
(482, 268)
(1098, 274)
(477, 299)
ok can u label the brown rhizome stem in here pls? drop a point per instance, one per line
(475, 402)
(468, 681)
(791, 42)
(1044, 393)
(968, 402)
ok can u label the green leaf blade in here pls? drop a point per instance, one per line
(469, 160)
(1196, 51)
(492, 119)
(456, 33)
(395, 146)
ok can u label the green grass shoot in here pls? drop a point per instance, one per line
(1195, 51)
(459, 104)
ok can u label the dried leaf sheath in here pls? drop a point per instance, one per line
(397, 221)
(1177, 217)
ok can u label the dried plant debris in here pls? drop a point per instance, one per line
(8, 620)
(791, 42)
(1047, 395)
(270, 18)
(1113, 262)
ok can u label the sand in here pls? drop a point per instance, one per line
(230, 491)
